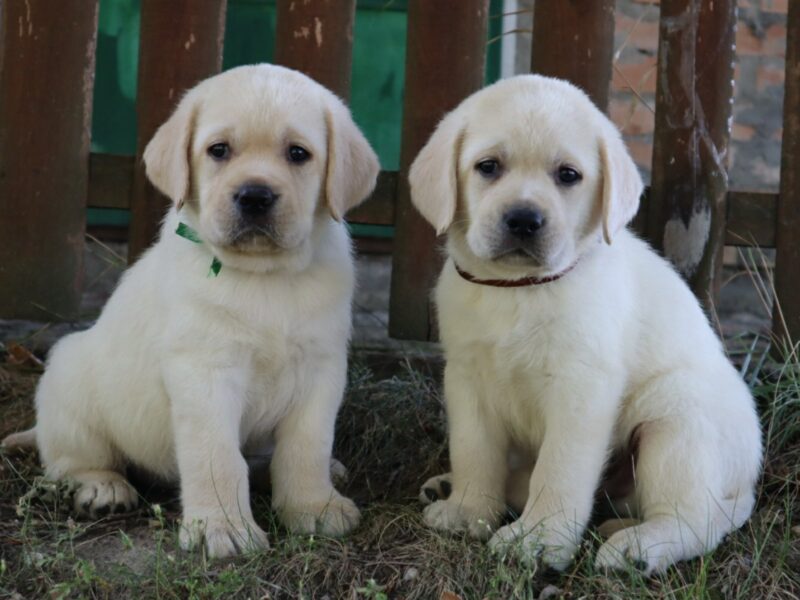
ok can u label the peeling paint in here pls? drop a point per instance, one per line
(190, 42)
(171, 93)
(684, 245)
(28, 16)
(318, 31)
(88, 83)
(303, 32)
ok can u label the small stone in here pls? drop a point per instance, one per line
(796, 530)
(549, 591)
(411, 574)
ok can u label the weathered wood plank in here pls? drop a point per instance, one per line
(378, 209)
(46, 83)
(574, 40)
(751, 219)
(180, 45)
(445, 56)
(317, 39)
(110, 181)
(786, 321)
(686, 214)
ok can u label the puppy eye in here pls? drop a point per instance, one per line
(298, 154)
(568, 176)
(219, 151)
(488, 167)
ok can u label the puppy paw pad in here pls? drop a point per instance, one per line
(436, 488)
(101, 494)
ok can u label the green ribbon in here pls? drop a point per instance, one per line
(190, 234)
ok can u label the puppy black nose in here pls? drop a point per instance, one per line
(254, 200)
(523, 223)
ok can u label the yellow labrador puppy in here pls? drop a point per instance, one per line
(565, 349)
(231, 332)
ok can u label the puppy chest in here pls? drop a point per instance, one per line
(275, 382)
(508, 391)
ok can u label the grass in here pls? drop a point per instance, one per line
(391, 434)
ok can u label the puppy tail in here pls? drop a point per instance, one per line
(22, 440)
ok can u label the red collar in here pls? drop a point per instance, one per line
(508, 283)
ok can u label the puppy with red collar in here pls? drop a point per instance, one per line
(568, 340)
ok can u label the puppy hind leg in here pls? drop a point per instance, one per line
(21, 440)
(73, 452)
(678, 495)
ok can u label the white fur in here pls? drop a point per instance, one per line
(182, 369)
(556, 376)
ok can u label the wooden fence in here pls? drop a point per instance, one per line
(48, 177)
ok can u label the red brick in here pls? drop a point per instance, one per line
(640, 75)
(639, 34)
(767, 76)
(773, 6)
(772, 44)
(781, 6)
(746, 41)
(775, 40)
(742, 133)
(631, 116)
(642, 152)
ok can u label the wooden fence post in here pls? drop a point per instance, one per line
(687, 202)
(445, 59)
(786, 315)
(574, 40)
(317, 39)
(47, 57)
(180, 45)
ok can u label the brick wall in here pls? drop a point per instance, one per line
(759, 72)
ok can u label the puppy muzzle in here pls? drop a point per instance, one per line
(255, 207)
(521, 234)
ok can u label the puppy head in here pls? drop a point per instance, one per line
(259, 155)
(526, 174)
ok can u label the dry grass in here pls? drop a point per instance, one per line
(391, 434)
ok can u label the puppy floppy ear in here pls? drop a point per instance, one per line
(622, 184)
(353, 167)
(167, 157)
(434, 174)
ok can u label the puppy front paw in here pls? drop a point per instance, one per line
(103, 492)
(333, 516)
(452, 515)
(532, 544)
(221, 535)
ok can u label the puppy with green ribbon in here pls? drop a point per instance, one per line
(230, 333)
